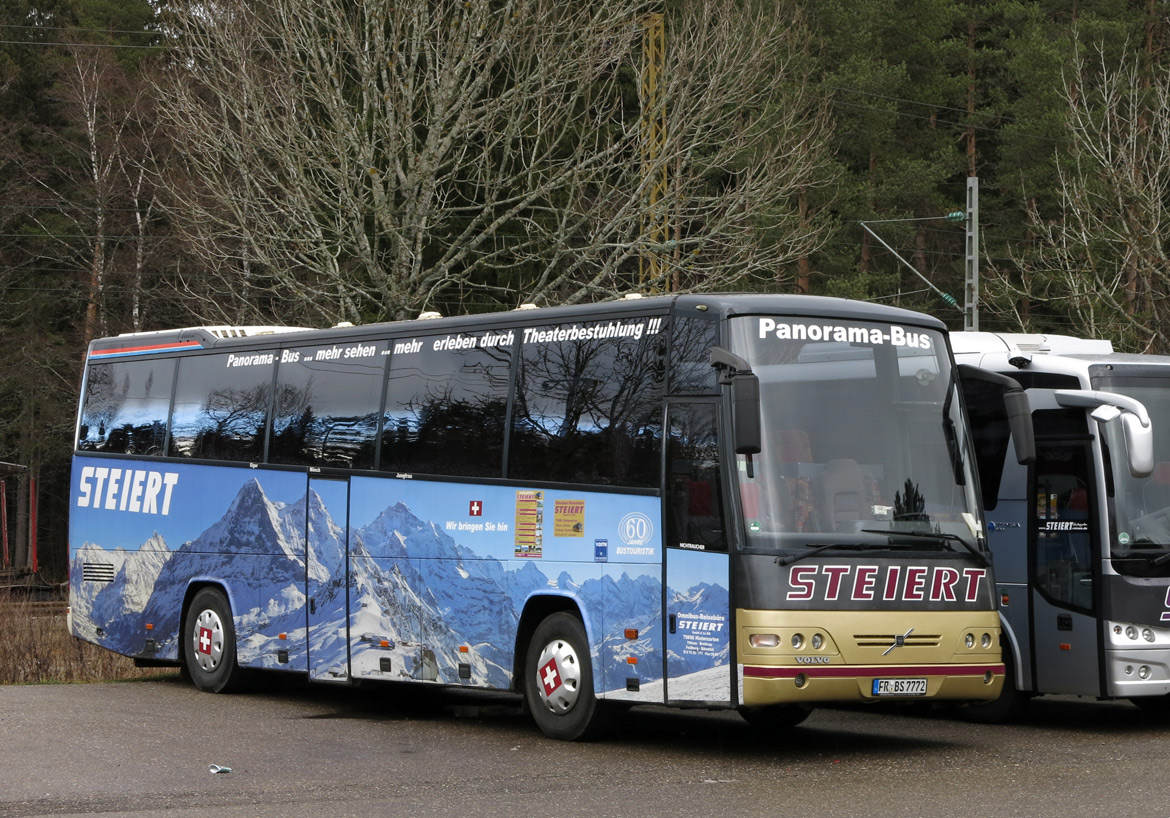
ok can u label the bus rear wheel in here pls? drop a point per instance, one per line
(558, 681)
(209, 655)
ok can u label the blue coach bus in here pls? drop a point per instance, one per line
(740, 501)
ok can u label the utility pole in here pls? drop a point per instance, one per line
(971, 278)
(655, 217)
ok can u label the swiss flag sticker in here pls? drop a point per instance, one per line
(205, 641)
(550, 677)
(475, 509)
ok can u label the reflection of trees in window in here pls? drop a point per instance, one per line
(220, 412)
(691, 340)
(230, 426)
(326, 411)
(445, 412)
(122, 411)
(588, 411)
(694, 490)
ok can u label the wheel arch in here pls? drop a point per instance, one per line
(1010, 646)
(536, 609)
(194, 587)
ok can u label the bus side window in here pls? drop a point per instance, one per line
(124, 409)
(221, 406)
(691, 340)
(588, 408)
(445, 408)
(694, 514)
(326, 408)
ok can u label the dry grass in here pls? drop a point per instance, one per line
(36, 648)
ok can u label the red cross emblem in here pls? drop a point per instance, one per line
(550, 677)
(475, 509)
(205, 641)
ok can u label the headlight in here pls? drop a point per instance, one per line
(798, 640)
(970, 640)
(986, 641)
(764, 640)
(818, 641)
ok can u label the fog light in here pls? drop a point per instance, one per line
(986, 641)
(1129, 670)
(798, 640)
(1143, 672)
(764, 640)
(801, 680)
(1147, 634)
(988, 677)
(1131, 631)
(970, 640)
(818, 641)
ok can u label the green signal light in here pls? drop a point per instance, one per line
(956, 216)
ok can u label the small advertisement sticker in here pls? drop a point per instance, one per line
(530, 524)
(569, 518)
(601, 550)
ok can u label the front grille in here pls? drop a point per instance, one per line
(884, 640)
(97, 572)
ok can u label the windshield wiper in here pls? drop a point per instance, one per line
(793, 557)
(931, 535)
(850, 546)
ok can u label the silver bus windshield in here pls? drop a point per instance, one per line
(1139, 522)
(863, 438)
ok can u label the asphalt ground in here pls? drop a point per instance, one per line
(146, 747)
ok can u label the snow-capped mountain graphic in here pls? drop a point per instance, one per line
(395, 598)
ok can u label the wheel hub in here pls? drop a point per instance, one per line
(558, 676)
(207, 640)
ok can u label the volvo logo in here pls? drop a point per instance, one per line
(899, 641)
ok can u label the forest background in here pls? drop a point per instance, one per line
(170, 163)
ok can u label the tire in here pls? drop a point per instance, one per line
(558, 681)
(776, 716)
(209, 650)
(1009, 707)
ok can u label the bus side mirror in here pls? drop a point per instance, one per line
(745, 413)
(996, 398)
(745, 399)
(1019, 417)
(1137, 432)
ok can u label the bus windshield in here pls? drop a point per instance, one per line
(863, 441)
(1140, 512)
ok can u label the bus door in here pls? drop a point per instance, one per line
(698, 615)
(1064, 558)
(326, 586)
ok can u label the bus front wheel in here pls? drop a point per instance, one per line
(210, 653)
(558, 680)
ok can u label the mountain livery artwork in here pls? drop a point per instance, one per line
(415, 602)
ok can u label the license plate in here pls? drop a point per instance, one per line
(899, 687)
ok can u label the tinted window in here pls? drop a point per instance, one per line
(695, 496)
(124, 409)
(327, 403)
(221, 406)
(691, 372)
(588, 405)
(446, 399)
